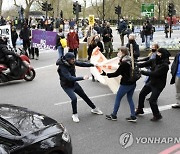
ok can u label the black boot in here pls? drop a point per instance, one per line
(156, 117)
(139, 111)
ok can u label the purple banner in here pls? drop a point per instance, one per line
(44, 39)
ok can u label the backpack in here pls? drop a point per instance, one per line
(63, 42)
(135, 73)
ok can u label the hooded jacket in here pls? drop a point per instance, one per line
(159, 69)
(67, 72)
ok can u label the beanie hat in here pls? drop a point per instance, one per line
(69, 56)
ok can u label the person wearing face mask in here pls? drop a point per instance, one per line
(108, 39)
(126, 86)
(158, 76)
(73, 41)
(151, 55)
(93, 44)
(136, 52)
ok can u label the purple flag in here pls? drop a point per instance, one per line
(44, 39)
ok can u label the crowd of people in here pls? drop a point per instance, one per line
(157, 64)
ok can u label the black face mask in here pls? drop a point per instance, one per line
(153, 50)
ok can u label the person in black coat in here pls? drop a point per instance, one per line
(14, 36)
(68, 81)
(93, 44)
(25, 35)
(136, 52)
(175, 71)
(158, 76)
(126, 86)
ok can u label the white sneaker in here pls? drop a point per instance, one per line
(75, 118)
(97, 111)
(6, 71)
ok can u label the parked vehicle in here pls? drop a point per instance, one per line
(26, 132)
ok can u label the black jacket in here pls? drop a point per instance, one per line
(136, 52)
(14, 37)
(158, 73)
(107, 34)
(25, 33)
(148, 29)
(4, 52)
(124, 71)
(67, 72)
(92, 46)
(174, 68)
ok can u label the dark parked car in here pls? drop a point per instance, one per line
(26, 132)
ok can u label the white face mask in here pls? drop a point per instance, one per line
(71, 30)
(119, 54)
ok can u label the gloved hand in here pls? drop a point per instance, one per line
(103, 73)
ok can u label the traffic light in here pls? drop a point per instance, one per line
(79, 8)
(44, 6)
(61, 14)
(118, 10)
(74, 7)
(171, 10)
(49, 7)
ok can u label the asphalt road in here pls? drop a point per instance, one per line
(94, 134)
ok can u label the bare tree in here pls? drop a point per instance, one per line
(28, 6)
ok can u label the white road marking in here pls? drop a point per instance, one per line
(146, 110)
(92, 97)
(161, 108)
(44, 67)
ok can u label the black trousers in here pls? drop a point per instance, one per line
(26, 45)
(34, 51)
(75, 51)
(78, 90)
(155, 92)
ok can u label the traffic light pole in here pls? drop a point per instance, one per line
(77, 17)
(103, 11)
(170, 27)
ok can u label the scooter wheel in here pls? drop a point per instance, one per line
(30, 75)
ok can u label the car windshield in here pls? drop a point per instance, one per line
(8, 128)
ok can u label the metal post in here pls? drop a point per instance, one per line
(77, 15)
(46, 9)
(159, 13)
(103, 10)
(170, 27)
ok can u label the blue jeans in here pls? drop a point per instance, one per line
(125, 89)
(60, 51)
(147, 40)
(70, 91)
